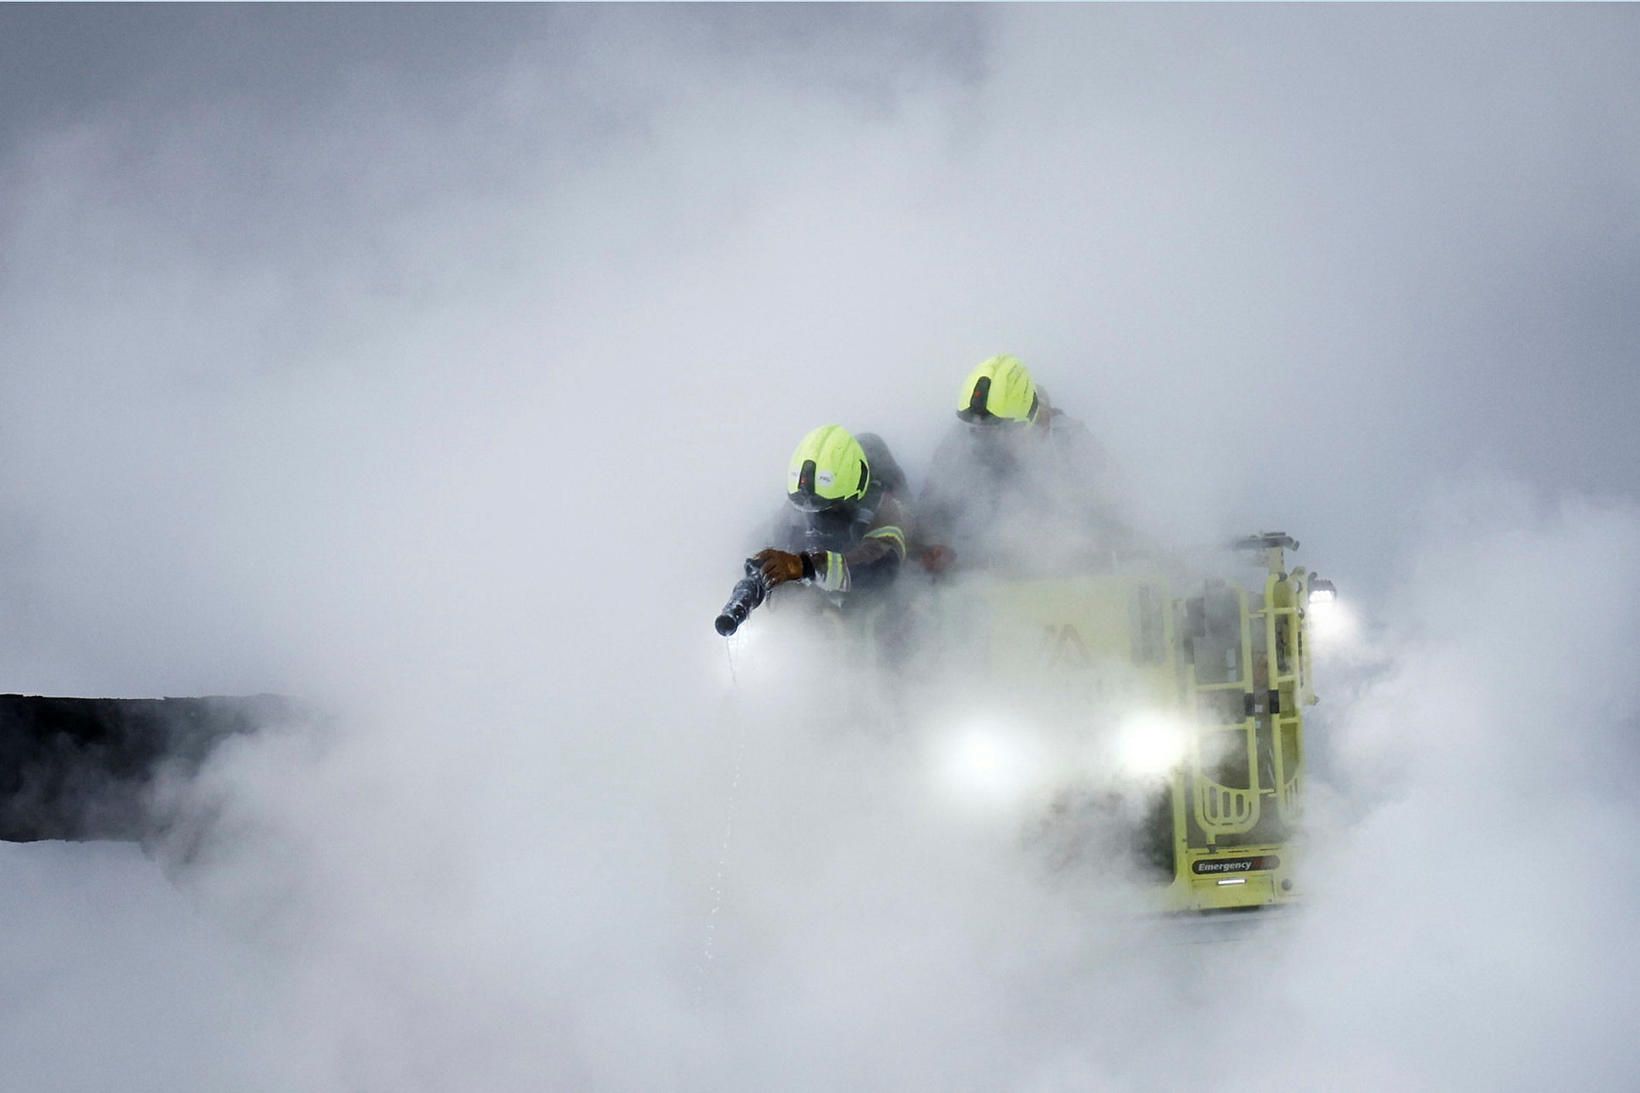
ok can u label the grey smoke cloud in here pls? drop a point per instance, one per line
(435, 364)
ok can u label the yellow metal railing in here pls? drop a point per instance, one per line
(1220, 809)
(1286, 655)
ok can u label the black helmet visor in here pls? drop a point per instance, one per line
(809, 502)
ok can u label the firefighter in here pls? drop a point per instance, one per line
(1017, 482)
(845, 528)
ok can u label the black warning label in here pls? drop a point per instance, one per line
(1215, 866)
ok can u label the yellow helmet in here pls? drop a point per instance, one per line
(999, 390)
(828, 468)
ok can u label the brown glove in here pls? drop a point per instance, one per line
(779, 566)
(936, 559)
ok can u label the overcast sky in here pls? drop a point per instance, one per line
(436, 363)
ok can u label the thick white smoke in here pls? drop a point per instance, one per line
(448, 397)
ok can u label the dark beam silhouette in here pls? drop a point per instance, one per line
(82, 768)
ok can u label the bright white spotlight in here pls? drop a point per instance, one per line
(990, 765)
(1332, 625)
(1151, 744)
